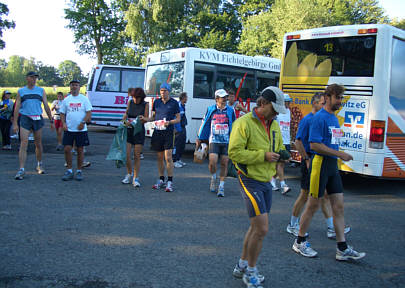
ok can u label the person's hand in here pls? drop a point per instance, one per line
(143, 118)
(345, 156)
(65, 127)
(271, 157)
(52, 126)
(167, 123)
(81, 126)
(307, 162)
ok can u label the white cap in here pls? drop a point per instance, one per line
(221, 93)
(276, 97)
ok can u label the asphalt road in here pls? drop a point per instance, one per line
(101, 233)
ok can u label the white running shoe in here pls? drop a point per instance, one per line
(141, 156)
(136, 183)
(295, 229)
(238, 272)
(182, 163)
(20, 175)
(40, 169)
(177, 164)
(331, 233)
(159, 184)
(304, 249)
(127, 179)
(349, 253)
(221, 191)
(252, 280)
(169, 186)
(213, 185)
(285, 189)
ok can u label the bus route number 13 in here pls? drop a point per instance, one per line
(328, 47)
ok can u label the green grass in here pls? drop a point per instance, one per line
(50, 92)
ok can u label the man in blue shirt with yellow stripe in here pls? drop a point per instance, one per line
(324, 139)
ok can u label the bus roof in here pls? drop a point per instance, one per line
(214, 56)
(99, 66)
(343, 31)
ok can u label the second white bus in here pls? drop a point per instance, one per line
(200, 72)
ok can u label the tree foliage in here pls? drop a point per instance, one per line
(4, 23)
(398, 23)
(97, 26)
(69, 70)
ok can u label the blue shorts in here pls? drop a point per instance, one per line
(219, 148)
(27, 123)
(79, 138)
(257, 195)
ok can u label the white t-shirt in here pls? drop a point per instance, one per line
(284, 121)
(57, 104)
(75, 108)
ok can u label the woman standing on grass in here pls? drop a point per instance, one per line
(137, 110)
(6, 111)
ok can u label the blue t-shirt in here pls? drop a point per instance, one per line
(166, 111)
(220, 128)
(31, 100)
(303, 131)
(325, 129)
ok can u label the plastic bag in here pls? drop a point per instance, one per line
(118, 148)
(200, 153)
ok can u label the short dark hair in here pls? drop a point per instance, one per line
(334, 89)
(230, 91)
(182, 95)
(130, 89)
(139, 93)
(59, 93)
(261, 101)
(317, 96)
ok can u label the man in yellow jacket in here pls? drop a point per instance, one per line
(254, 147)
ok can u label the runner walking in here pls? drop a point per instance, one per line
(27, 118)
(253, 147)
(55, 106)
(324, 174)
(6, 113)
(216, 127)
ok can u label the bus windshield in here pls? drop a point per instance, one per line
(349, 56)
(172, 73)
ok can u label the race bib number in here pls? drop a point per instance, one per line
(35, 117)
(285, 126)
(221, 129)
(160, 125)
(337, 133)
(56, 117)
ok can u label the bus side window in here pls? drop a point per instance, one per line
(109, 80)
(203, 76)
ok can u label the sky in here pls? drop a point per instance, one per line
(40, 31)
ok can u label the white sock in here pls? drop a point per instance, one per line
(70, 170)
(39, 163)
(22, 169)
(294, 221)
(251, 270)
(273, 182)
(329, 222)
(221, 184)
(282, 183)
(214, 176)
(243, 263)
(78, 171)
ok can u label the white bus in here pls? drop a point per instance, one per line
(369, 61)
(199, 72)
(107, 90)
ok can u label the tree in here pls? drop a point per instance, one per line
(69, 70)
(398, 23)
(16, 70)
(97, 27)
(4, 24)
(49, 75)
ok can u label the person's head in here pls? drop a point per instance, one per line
(59, 95)
(130, 91)
(231, 96)
(287, 101)
(6, 95)
(183, 97)
(271, 102)
(317, 101)
(32, 78)
(138, 95)
(221, 97)
(74, 87)
(165, 89)
(333, 97)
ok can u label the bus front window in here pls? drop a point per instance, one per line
(172, 73)
(339, 56)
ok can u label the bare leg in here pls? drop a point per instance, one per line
(169, 162)
(129, 160)
(300, 203)
(22, 154)
(59, 135)
(137, 159)
(336, 201)
(38, 144)
(259, 226)
(326, 207)
(160, 163)
(212, 166)
(306, 217)
(280, 171)
(68, 156)
(224, 167)
(80, 157)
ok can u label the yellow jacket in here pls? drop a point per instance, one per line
(249, 142)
